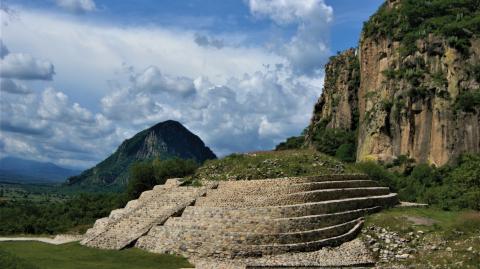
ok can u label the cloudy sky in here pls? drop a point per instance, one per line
(77, 77)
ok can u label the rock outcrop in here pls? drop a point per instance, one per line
(337, 107)
(418, 93)
(168, 139)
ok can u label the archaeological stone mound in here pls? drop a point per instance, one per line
(253, 218)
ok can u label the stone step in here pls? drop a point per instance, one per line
(294, 198)
(125, 226)
(290, 180)
(253, 190)
(281, 225)
(207, 248)
(296, 210)
(219, 237)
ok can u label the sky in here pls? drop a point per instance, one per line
(77, 77)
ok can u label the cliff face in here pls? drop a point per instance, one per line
(418, 94)
(410, 105)
(337, 106)
(165, 140)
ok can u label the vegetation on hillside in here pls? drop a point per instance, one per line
(36, 255)
(53, 217)
(411, 20)
(294, 142)
(269, 164)
(78, 212)
(450, 187)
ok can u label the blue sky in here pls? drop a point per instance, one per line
(80, 76)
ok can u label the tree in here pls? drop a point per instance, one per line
(142, 178)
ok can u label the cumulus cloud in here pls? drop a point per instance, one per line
(308, 48)
(252, 112)
(206, 41)
(152, 80)
(10, 86)
(48, 126)
(77, 6)
(25, 66)
(238, 98)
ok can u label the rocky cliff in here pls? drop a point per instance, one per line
(419, 90)
(168, 139)
(337, 107)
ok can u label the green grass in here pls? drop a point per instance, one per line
(75, 256)
(270, 164)
(445, 221)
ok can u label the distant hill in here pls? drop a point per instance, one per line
(165, 140)
(20, 170)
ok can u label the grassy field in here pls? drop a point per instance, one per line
(270, 164)
(36, 255)
(444, 239)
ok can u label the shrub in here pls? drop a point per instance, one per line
(468, 101)
(142, 178)
(294, 142)
(378, 173)
(346, 152)
(449, 187)
(145, 175)
(328, 140)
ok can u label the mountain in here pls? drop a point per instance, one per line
(412, 87)
(165, 140)
(20, 170)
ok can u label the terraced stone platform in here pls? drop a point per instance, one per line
(270, 217)
(154, 207)
(248, 222)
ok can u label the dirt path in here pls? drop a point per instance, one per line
(57, 240)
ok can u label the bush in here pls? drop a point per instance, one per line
(468, 101)
(329, 140)
(346, 152)
(294, 142)
(449, 187)
(144, 176)
(378, 173)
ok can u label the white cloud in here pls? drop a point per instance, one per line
(152, 80)
(249, 113)
(26, 67)
(308, 48)
(237, 98)
(78, 6)
(48, 126)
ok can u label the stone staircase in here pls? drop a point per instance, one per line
(152, 208)
(270, 217)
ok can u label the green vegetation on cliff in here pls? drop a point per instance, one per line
(411, 20)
